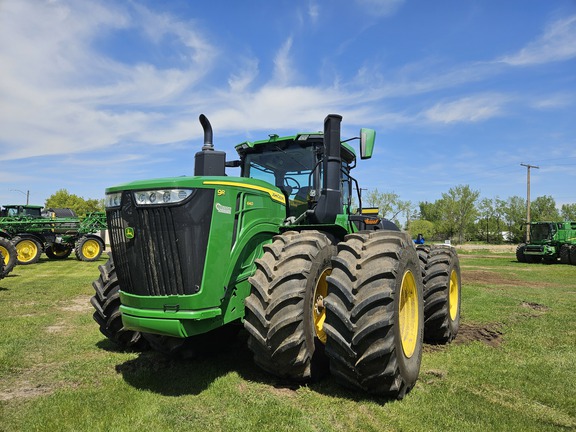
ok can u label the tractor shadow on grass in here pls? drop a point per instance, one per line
(173, 376)
(177, 376)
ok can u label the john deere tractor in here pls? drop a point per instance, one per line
(278, 251)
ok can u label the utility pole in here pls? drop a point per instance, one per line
(22, 192)
(528, 166)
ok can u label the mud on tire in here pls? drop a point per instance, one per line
(442, 290)
(279, 311)
(374, 313)
(106, 301)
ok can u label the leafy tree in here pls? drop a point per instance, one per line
(486, 211)
(389, 204)
(64, 199)
(489, 224)
(421, 226)
(544, 208)
(568, 212)
(459, 211)
(431, 211)
(514, 214)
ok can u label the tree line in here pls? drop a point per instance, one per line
(461, 215)
(64, 199)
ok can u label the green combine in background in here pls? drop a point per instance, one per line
(549, 242)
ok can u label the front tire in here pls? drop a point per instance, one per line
(106, 301)
(520, 257)
(375, 313)
(8, 250)
(285, 311)
(442, 292)
(28, 250)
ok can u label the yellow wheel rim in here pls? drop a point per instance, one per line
(408, 314)
(91, 248)
(453, 295)
(27, 250)
(318, 309)
(5, 254)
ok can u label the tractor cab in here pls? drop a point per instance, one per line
(293, 164)
(311, 169)
(13, 210)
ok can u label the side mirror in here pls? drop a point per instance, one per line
(367, 137)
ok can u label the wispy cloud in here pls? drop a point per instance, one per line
(65, 96)
(283, 69)
(381, 7)
(467, 109)
(558, 43)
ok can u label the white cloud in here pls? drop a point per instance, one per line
(283, 69)
(313, 11)
(59, 94)
(558, 43)
(381, 7)
(468, 109)
(554, 101)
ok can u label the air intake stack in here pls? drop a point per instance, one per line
(330, 201)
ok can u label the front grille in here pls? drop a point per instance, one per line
(534, 248)
(167, 252)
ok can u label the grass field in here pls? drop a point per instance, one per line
(511, 368)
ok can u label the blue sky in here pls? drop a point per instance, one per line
(97, 93)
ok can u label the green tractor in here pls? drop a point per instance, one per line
(57, 232)
(549, 242)
(277, 251)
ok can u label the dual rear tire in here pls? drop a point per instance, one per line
(442, 292)
(355, 309)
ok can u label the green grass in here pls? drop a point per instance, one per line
(58, 373)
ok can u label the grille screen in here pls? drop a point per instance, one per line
(167, 252)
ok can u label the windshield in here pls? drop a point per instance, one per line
(290, 168)
(540, 232)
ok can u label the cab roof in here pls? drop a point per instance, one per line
(346, 151)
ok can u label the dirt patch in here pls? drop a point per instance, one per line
(535, 307)
(56, 328)
(499, 249)
(489, 334)
(78, 304)
(487, 277)
(25, 389)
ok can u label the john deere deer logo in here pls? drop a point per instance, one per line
(129, 233)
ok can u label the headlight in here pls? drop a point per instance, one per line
(161, 196)
(113, 200)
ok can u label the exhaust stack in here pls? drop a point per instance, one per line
(209, 162)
